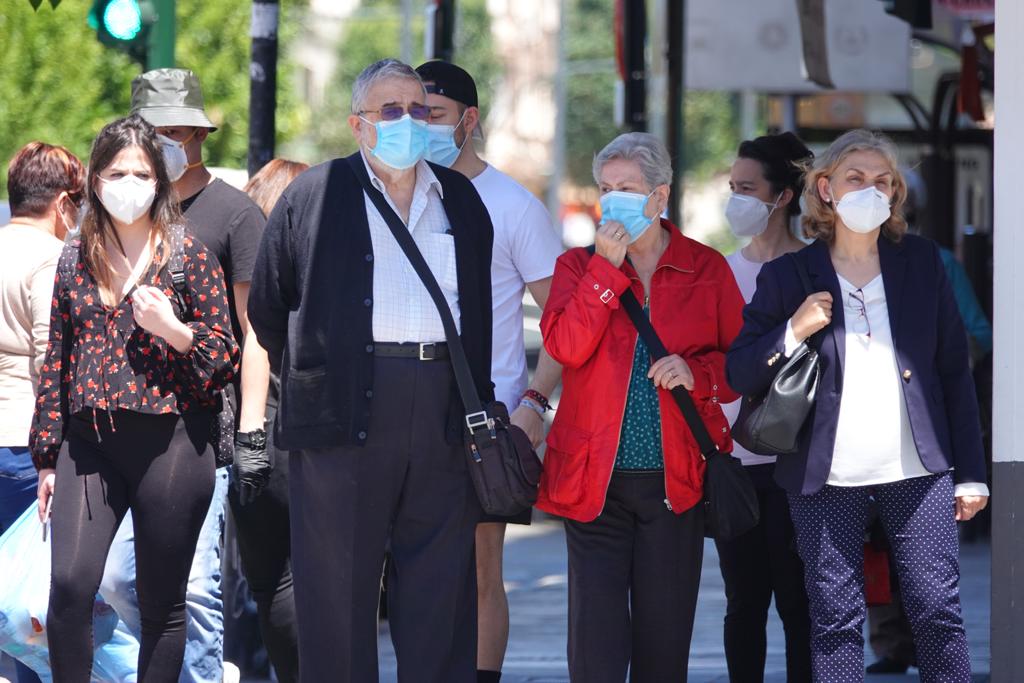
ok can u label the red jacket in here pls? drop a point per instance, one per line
(696, 308)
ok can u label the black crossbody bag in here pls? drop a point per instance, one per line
(730, 500)
(502, 463)
(770, 424)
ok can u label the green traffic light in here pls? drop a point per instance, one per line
(122, 19)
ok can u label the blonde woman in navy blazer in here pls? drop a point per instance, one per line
(895, 418)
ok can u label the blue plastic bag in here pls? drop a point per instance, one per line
(24, 596)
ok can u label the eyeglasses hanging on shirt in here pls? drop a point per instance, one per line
(856, 304)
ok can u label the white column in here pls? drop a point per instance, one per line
(1008, 369)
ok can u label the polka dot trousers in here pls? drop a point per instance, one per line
(918, 518)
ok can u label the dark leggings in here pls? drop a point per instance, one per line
(159, 466)
(264, 544)
(756, 566)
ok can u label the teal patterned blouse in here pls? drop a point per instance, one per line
(640, 439)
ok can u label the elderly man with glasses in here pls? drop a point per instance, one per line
(369, 409)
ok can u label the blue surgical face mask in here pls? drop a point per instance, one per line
(441, 147)
(401, 143)
(626, 208)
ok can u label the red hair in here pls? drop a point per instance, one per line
(38, 174)
(270, 181)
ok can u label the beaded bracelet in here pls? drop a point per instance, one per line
(540, 398)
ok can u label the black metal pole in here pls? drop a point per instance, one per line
(635, 35)
(443, 30)
(263, 83)
(676, 91)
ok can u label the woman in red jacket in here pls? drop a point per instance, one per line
(622, 466)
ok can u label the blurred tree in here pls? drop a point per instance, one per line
(372, 33)
(60, 85)
(590, 114)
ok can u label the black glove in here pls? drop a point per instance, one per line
(253, 465)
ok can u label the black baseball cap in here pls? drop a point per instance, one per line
(444, 78)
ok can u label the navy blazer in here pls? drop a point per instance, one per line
(931, 354)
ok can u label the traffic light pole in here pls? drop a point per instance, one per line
(263, 83)
(161, 37)
(441, 30)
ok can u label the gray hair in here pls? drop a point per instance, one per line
(380, 71)
(645, 150)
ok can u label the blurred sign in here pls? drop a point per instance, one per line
(969, 9)
(756, 45)
(814, 66)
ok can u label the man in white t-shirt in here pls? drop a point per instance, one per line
(525, 249)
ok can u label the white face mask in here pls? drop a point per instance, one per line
(748, 216)
(174, 157)
(127, 198)
(863, 210)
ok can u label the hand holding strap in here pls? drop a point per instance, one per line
(707, 446)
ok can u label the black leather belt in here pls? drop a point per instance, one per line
(419, 351)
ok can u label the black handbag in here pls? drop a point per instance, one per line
(770, 424)
(502, 463)
(730, 500)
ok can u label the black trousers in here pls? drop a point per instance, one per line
(162, 468)
(756, 566)
(406, 489)
(634, 573)
(264, 544)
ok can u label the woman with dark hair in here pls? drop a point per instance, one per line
(766, 181)
(127, 402)
(895, 421)
(264, 541)
(45, 184)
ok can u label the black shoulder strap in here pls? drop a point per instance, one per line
(682, 397)
(68, 262)
(176, 267)
(707, 446)
(476, 416)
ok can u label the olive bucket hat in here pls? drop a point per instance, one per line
(170, 97)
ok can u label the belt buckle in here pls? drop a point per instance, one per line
(423, 349)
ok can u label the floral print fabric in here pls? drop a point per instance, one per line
(98, 357)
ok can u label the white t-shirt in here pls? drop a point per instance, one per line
(745, 272)
(525, 249)
(874, 441)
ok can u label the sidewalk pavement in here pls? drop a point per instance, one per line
(535, 577)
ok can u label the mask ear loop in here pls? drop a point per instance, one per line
(657, 214)
(68, 229)
(775, 205)
(197, 164)
(456, 127)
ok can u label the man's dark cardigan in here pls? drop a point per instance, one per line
(311, 303)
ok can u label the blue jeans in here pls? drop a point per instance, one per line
(204, 649)
(18, 482)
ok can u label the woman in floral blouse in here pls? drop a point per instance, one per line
(128, 401)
